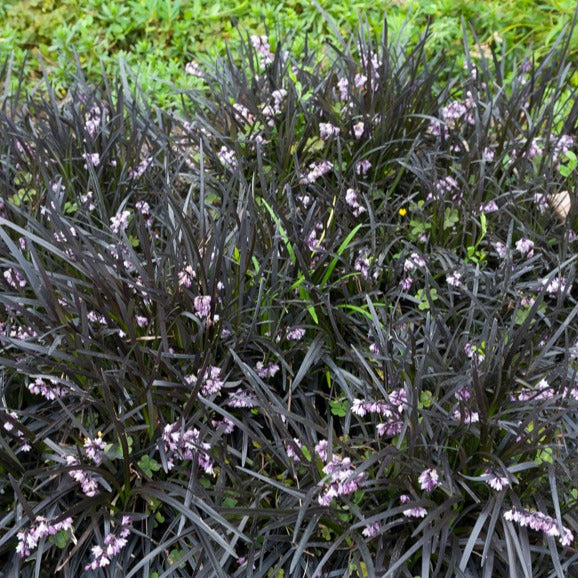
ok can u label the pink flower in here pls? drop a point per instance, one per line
(295, 334)
(112, 546)
(541, 523)
(358, 129)
(186, 276)
(291, 453)
(321, 449)
(212, 384)
(48, 388)
(14, 278)
(415, 512)
(264, 371)
(327, 130)
(119, 222)
(202, 304)
(193, 69)
(496, 481)
(242, 399)
(454, 279)
(185, 445)
(554, 285)
(525, 247)
(371, 531)
(227, 157)
(342, 481)
(428, 480)
(362, 167)
(413, 261)
(466, 416)
(39, 529)
(343, 87)
(94, 448)
(316, 171)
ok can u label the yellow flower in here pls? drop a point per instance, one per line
(403, 212)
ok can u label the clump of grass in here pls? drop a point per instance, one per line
(321, 322)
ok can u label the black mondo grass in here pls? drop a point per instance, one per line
(320, 322)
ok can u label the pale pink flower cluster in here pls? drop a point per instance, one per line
(453, 116)
(41, 528)
(501, 249)
(88, 479)
(495, 481)
(541, 201)
(466, 416)
(119, 222)
(563, 144)
(352, 200)
(227, 157)
(193, 69)
(314, 241)
(525, 247)
(462, 413)
(212, 382)
(94, 449)
(316, 171)
(358, 129)
(343, 480)
(554, 285)
(9, 426)
(415, 512)
(87, 200)
(489, 207)
(242, 113)
(412, 262)
(362, 167)
(48, 388)
(291, 453)
(92, 159)
(454, 279)
(112, 545)
(264, 371)
(242, 399)
(202, 305)
(534, 150)
(182, 444)
(261, 46)
(14, 278)
(95, 317)
(186, 276)
(446, 186)
(225, 425)
(343, 88)
(18, 332)
(363, 263)
(428, 480)
(142, 321)
(94, 120)
(391, 410)
(541, 523)
(371, 65)
(321, 449)
(141, 168)
(295, 334)
(371, 531)
(272, 110)
(328, 130)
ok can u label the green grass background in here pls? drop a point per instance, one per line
(157, 37)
